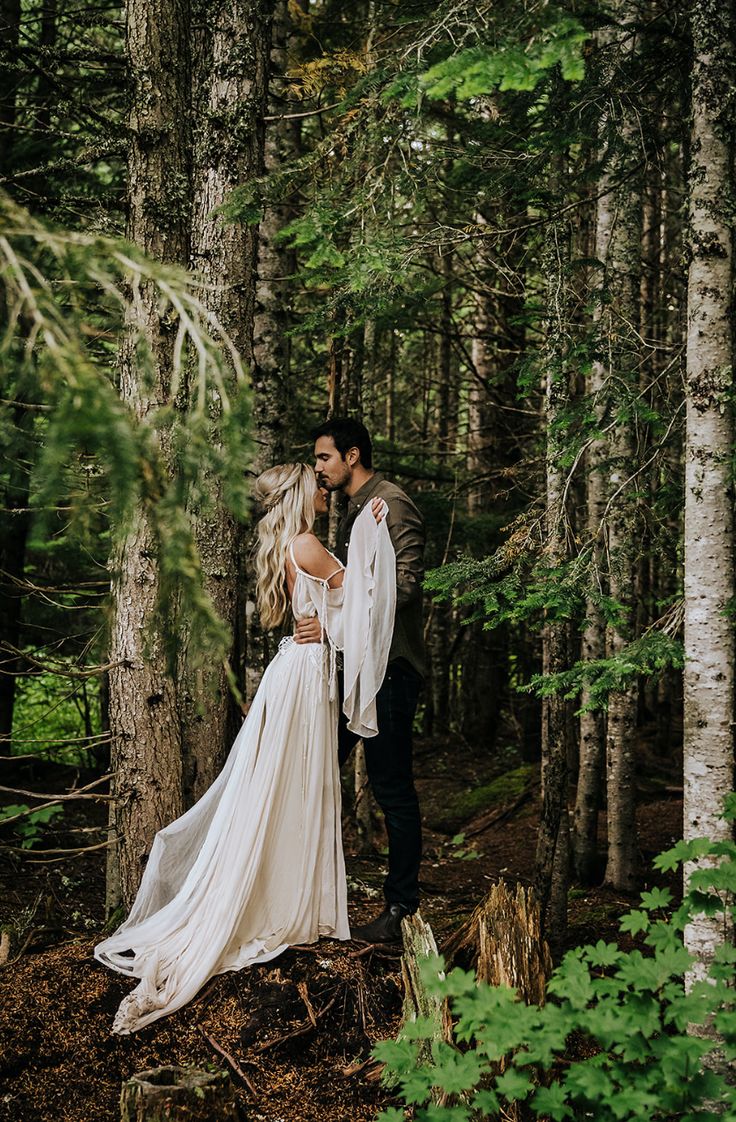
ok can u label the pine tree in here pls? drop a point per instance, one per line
(144, 717)
(229, 79)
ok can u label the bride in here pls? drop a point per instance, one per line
(257, 864)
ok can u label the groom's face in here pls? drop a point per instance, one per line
(333, 472)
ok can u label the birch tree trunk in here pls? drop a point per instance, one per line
(144, 719)
(229, 78)
(709, 556)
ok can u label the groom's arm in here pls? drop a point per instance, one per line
(406, 527)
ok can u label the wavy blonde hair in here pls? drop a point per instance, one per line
(287, 492)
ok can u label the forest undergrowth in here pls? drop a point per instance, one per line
(297, 1032)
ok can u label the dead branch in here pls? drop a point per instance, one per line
(53, 801)
(229, 1060)
(67, 854)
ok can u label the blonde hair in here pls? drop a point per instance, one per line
(287, 492)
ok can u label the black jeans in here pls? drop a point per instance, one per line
(388, 758)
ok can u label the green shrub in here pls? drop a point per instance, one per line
(620, 1037)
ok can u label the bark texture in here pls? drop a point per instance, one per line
(503, 941)
(419, 944)
(273, 401)
(709, 555)
(592, 742)
(553, 836)
(144, 720)
(229, 79)
(618, 247)
(274, 422)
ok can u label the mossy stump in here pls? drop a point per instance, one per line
(178, 1094)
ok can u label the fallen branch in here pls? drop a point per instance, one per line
(229, 1060)
(360, 1066)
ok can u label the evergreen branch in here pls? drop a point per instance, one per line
(655, 651)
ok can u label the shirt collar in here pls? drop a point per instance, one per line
(358, 500)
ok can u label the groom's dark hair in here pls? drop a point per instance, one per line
(347, 434)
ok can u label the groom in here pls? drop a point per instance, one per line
(344, 462)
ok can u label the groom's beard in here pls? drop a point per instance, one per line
(330, 487)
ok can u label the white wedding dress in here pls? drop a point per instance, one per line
(257, 864)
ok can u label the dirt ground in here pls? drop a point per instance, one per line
(298, 1031)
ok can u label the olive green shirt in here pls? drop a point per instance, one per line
(406, 527)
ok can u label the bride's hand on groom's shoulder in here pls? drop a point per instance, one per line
(378, 508)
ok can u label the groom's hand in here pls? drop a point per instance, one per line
(308, 631)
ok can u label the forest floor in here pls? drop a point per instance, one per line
(300, 1029)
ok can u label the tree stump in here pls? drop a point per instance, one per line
(178, 1094)
(419, 944)
(503, 941)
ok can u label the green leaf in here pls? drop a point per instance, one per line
(634, 921)
(572, 980)
(513, 1084)
(551, 1100)
(656, 898)
(602, 954)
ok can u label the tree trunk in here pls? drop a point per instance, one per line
(14, 526)
(229, 76)
(144, 719)
(419, 945)
(503, 942)
(479, 407)
(9, 32)
(621, 218)
(552, 844)
(274, 420)
(273, 401)
(592, 742)
(709, 556)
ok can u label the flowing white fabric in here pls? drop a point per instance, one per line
(257, 864)
(367, 618)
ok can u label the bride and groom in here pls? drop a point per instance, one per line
(256, 865)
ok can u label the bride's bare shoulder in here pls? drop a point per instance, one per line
(312, 557)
